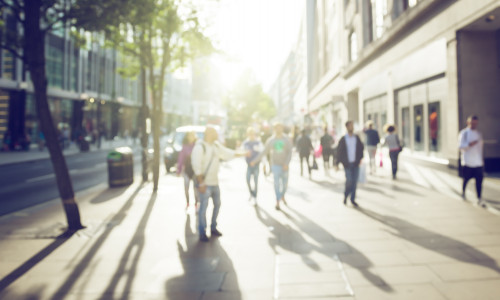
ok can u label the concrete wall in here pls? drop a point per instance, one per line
(479, 88)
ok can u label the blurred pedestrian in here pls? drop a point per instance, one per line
(471, 148)
(280, 148)
(205, 159)
(395, 147)
(304, 147)
(326, 142)
(350, 154)
(184, 166)
(254, 146)
(372, 140)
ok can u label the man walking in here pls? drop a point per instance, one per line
(280, 147)
(471, 148)
(350, 154)
(205, 162)
(254, 146)
(327, 151)
(372, 140)
(304, 147)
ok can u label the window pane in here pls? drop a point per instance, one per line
(419, 127)
(434, 127)
(406, 125)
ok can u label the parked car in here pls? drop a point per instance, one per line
(174, 145)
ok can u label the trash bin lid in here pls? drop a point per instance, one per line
(114, 156)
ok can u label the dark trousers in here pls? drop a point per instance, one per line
(477, 174)
(306, 157)
(351, 180)
(394, 162)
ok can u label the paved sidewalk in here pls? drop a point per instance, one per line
(405, 242)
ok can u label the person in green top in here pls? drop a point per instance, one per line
(280, 148)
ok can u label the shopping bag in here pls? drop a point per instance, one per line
(362, 173)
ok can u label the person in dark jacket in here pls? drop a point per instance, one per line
(350, 154)
(372, 140)
(304, 147)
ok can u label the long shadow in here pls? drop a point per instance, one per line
(374, 190)
(130, 258)
(312, 229)
(206, 267)
(429, 242)
(35, 259)
(85, 261)
(108, 194)
(279, 231)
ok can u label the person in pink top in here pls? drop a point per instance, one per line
(184, 165)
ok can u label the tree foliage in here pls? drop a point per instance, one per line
(246, 102)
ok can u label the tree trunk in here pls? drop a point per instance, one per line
(34, 51)
(144, 133)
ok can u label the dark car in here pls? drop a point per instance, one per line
(174, 145)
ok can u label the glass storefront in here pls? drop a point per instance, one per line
(418, 109)
(375, 110)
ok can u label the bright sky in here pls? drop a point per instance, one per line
(258, 34)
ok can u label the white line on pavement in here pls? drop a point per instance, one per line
(39, 178)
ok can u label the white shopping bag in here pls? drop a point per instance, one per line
(362, 173)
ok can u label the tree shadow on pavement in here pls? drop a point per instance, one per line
(130, 258)
(35, 259)
(285, 237)
(318, 233)
(108, 194)
(83, 264)
(431, 240)
(207, 268)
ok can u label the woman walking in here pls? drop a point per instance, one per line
(392, 141)
(184, 165)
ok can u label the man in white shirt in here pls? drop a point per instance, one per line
(471, 150)
(205, 162)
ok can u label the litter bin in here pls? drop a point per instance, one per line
(120, 167)
(84, 144)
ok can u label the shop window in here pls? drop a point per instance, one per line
(405, 125)
(353, 47)
(418, 121)
(434, 127)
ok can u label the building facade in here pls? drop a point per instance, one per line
(85, 91)
(424, 65)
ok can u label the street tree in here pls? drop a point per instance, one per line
(162, 35)
(246, 102)
(36, 18)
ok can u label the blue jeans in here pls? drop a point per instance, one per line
(351, 181)
(253, 171)
(280, 181)
(214, 192)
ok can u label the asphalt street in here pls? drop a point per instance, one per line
(29, 183)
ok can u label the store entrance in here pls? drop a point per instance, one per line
(478, 49)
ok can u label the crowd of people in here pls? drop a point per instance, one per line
(198, 163)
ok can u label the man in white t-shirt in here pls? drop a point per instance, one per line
(470, 144)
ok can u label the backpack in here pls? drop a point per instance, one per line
(188, 167)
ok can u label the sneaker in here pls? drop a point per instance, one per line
(345, 200)
(216, 232)
(481, 203)
(463, 196)
(283, 199)
(354, 203)
(203, 238)
(277, 207)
